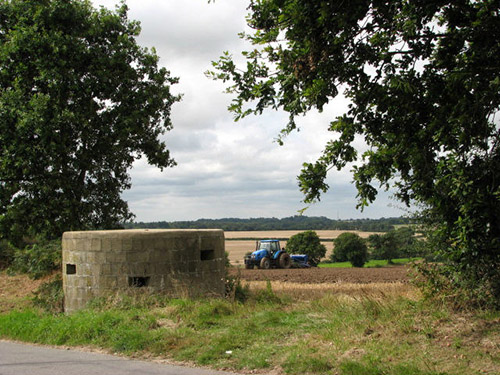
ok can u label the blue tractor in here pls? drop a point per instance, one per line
(267, 254)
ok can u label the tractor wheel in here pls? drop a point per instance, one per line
(265, 263)
(285, 261)
(249, 266)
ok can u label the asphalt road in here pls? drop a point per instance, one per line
(19, 359)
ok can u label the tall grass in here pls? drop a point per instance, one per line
(335, 333)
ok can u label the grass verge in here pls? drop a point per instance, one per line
(352, 331)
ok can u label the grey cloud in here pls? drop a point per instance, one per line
(225, 169)
(190, 28)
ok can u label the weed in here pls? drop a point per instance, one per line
(267, 295)
(6, 253)
(359, 368)
(37, 260)
(440, 285)
(349, 331)
(49, 296)
(235, 291)
(306, 362)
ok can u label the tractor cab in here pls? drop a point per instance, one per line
(272, 246)
(267, 254)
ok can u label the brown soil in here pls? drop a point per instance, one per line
(327, 275)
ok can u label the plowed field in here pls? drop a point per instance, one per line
(327, 275)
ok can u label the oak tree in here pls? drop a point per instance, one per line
(80, 100)
(423, 80)
(350, 247)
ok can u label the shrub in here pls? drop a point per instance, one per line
(235, 291)
(39, 259)
(267, 295)
(307, 243)
(386, 246)
(50, 296)
(6, 253)
(397, 243)
(350, 247)
(438, 284)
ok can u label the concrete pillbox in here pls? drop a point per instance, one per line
(174, 262)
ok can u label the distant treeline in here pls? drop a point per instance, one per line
(287, 223)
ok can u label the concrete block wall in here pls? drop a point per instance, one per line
(175, 262)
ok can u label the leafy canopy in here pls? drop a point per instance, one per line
(307, 243)
(424, 85)
(396, 243)
(350, 247)
(80, 100)
(384, 246)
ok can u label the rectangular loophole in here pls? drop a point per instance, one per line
(207, 254)
(138, 281)
(70, 269)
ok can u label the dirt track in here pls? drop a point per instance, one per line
(327, 275)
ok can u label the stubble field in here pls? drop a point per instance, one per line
(239, 243)
(323, 234)
(309, 280)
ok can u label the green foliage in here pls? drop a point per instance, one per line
(38, 259)
(307, 243)
(357, 368)
(6, 253)
(423, 81)
(234, 290)
(409, 243)
(80, 100)
(397, 243)
(384, 246)
(441, 285)
(350, 247)
(267, 295)
(288, 223)
(50, 296)
(303, 362)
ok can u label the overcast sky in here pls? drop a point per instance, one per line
(227, 169)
